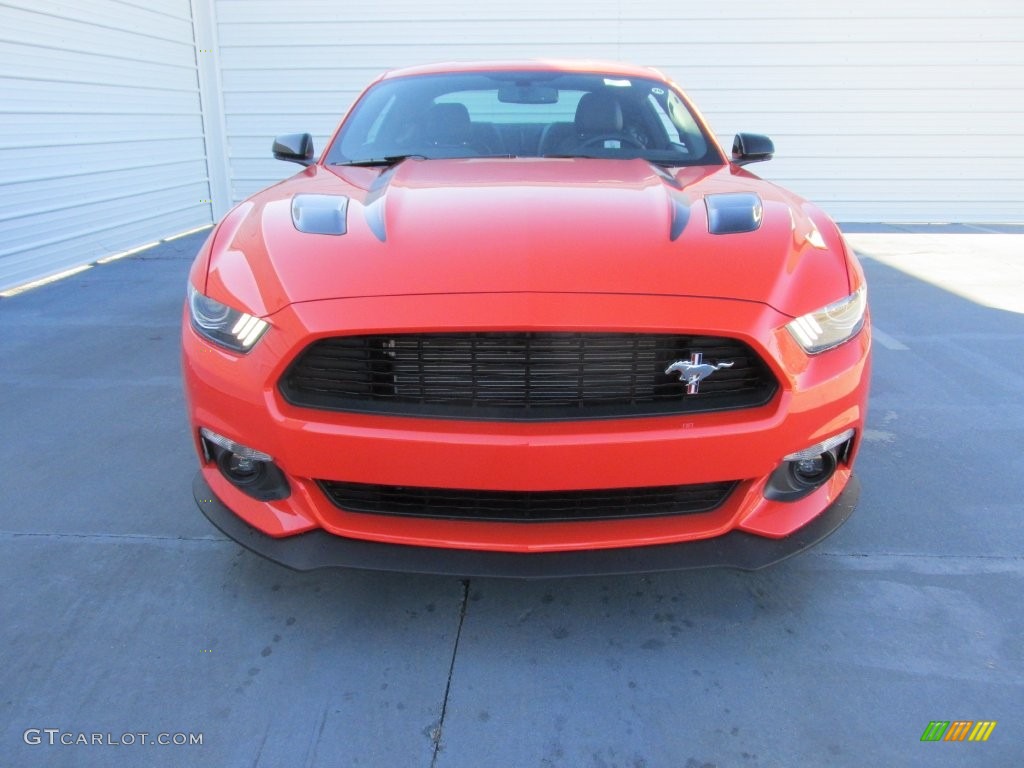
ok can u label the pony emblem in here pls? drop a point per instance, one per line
(693, 371)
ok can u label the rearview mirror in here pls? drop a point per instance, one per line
(527, 93)
(751, 148)
(294, 148)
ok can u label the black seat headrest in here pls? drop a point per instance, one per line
(598, 113)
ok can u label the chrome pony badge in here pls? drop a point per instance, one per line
(693, 371)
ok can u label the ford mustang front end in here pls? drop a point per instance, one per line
(526, 320)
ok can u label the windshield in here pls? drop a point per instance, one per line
(522, 114)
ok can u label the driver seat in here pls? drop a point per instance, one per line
(597, 114)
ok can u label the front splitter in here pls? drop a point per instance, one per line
(319, 549)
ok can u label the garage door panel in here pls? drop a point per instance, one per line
(343, 33)
(41, 129)
(101, 131)
(798, 102)
(29, 198)
(79, 95)
(988, 150)
(886, 192)
(819, 25)
(544, 10)
(959, 127)
(942, 170)
(413, 10)
(35, 63)
(839, 77)
(934, 210)
(171, 21)
(287, 104)
(57, 31)
(65, 225)
(50, 257)
(256, 168)
(715, 53)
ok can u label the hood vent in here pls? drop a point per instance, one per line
(734, 212)
(373, 205)
(320, 214)
(374, 213)
(680, 218)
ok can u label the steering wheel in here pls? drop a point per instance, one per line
(622, 138)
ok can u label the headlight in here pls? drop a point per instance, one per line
(223, 325)
(832, 325)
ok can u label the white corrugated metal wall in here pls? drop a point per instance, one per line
(905, 110)
(120, 118)
(101, 136)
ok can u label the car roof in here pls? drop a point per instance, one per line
(615, 68)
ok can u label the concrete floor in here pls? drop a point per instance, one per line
(126, 612)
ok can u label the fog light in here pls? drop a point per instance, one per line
(242, 466)
(808, 467)
(252, 472)
(813, 472)
(802, 472)
(240, 470)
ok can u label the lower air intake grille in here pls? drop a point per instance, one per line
(527, 506)
(524, 376)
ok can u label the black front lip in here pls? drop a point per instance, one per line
(319, 549)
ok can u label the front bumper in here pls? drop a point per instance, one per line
(237, 397)
(317, 549)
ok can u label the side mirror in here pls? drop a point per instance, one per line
(751, 148)
(294, 148)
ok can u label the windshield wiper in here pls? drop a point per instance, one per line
(663, 164)
(383, 162)
(389, 160)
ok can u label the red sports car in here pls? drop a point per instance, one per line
(526, 319)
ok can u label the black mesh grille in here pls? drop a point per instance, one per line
(527, 506)
(523, 376)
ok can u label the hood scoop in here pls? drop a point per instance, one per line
(733, 212)
(320, 214)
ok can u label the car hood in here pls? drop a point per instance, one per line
(572, 225)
